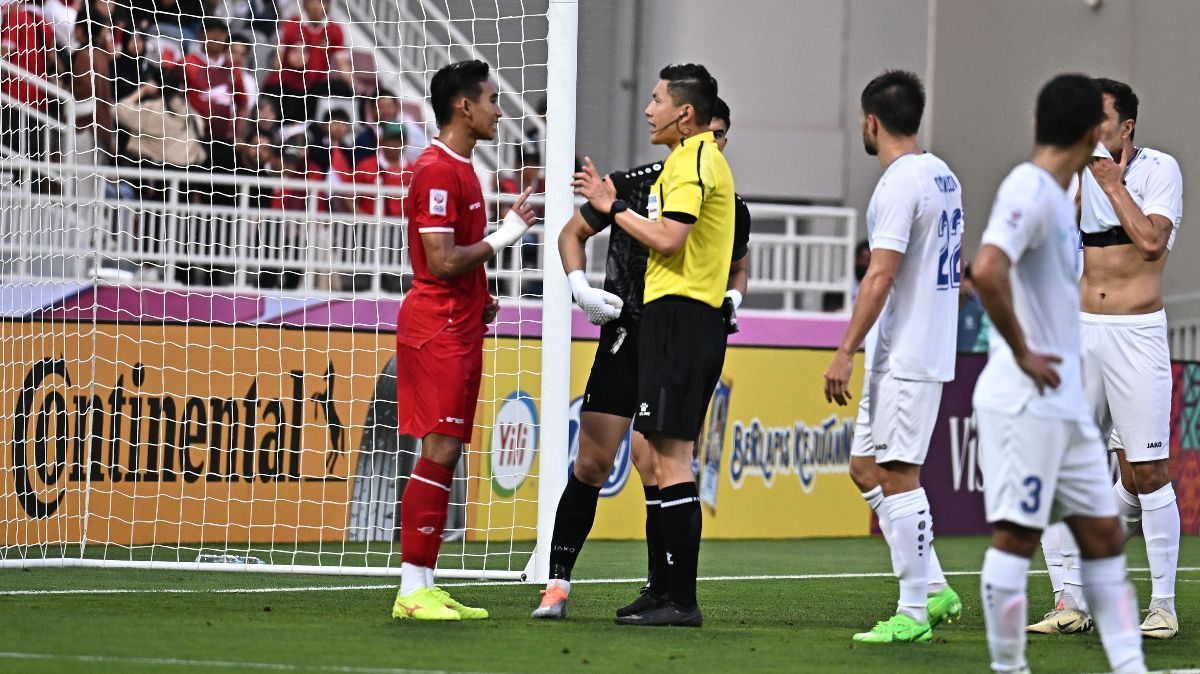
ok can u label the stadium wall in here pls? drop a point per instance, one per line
(255, 429)
(792, 72)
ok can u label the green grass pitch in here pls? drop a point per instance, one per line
(76, 623)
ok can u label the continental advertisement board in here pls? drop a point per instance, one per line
(135, 432)
(132, 434)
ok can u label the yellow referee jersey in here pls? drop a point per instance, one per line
(696, 182)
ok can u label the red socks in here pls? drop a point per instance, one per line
(423, 513)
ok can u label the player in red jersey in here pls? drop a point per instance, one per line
(440, 329)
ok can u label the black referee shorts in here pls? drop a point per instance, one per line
(612, 385)
(681, 356)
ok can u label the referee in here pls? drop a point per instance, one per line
(690, 234)
(610, 398)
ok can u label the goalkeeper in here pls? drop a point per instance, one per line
(610, 398)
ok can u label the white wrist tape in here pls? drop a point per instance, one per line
(511, 230)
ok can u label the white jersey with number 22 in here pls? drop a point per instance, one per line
(916, 210)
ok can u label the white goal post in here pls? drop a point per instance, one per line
(194, 363)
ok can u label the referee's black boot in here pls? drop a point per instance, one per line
(666, 614)
(646, 600)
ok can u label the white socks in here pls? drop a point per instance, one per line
(1129, 508)
(1072, 596)
(413, 578)
(874, 498)
(1109, 593)
(1002, 585)
(937, 578)
(1114, 608)
(1052, 551)
(911, 540)
(1160, 527)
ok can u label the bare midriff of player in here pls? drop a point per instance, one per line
(1130, 203)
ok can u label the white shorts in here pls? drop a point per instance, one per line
(1127, 378)
(863, 445)
(1037, 471)
(896, 418)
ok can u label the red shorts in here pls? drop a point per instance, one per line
(437, 387)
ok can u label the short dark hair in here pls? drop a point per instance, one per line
(455, 81)
(897, 99)
(213, 24)
(691, 84)
(336, 114)
(1067, 108)
(721, 112)
(1125, 102)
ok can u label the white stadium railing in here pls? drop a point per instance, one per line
(798, 254)
(1185, 339)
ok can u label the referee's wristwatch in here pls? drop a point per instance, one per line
(618, 206)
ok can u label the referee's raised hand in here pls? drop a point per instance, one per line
(598, 190)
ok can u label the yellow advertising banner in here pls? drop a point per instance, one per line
(784, 470)
(133, 434)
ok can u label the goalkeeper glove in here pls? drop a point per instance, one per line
(511, 230)
(733, 300)
(600, 306)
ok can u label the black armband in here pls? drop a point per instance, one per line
(685, 218)
(596, 220)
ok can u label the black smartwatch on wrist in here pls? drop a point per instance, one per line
(618, 206)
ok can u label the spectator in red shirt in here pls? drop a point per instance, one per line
(386, 168)
(216, 91)
(308, 44)
(26, 41)
(331, 152)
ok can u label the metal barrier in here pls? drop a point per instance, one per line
(798, 254)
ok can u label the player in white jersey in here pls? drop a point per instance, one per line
(908, 303)
(1131, 204)
(1038, 442)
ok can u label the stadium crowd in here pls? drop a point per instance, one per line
(243, 88)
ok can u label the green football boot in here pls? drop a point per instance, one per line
(945, 606)
(898, 628)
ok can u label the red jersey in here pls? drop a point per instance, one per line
(373, 170)
(317, 41)
(29, 39)
(215, 91)
(445, 196)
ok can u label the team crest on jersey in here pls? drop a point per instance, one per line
(437, 202)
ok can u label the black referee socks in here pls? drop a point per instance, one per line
(572, 524)
(659, 577)
(681, 522)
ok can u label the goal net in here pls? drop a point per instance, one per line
(203, 249)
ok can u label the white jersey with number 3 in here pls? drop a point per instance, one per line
(1033, 222)
(917, 210)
